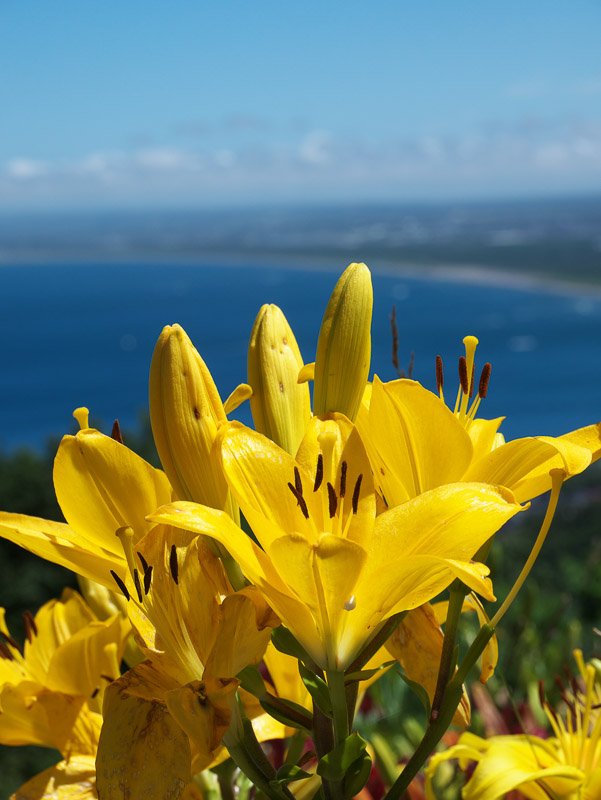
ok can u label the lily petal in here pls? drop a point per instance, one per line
(74, 779)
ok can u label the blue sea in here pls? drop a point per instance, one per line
(84, 335)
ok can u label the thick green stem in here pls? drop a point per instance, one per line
(339, 707)
(457, 594)
(323, 739)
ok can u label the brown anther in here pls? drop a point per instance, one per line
(439, 374)
(484, 379)
(306, 757)
(463, 375)
(107, 678)
(356, 492)
(472, 380)
(343, 469)
(559, 684)
(173, 565)
(318, 473)
(143, 562)
(137, 585)
(5, 652)
(31, 629)
(300, 500)
(147, 579)
(541, 693)
(116, 432)
(121, 585)
(333, 500)
(95, 692)
(297, 481)
(9, 639)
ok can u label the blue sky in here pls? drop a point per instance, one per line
(133, 104)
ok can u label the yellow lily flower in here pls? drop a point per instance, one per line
(281, 407)
(101, 486)
(567, 765)
(197, 634)
(329, 567)
(415, 443)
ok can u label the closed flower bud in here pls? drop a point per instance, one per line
(344, 345)
(281, 407)
(185, 413)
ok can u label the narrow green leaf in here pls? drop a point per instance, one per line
(287, 712)
(418, 690)
(252, 681)
(334, 765)
(366, 674)
(285, 642)
(288, 773)
(317, 688)
(357, 775)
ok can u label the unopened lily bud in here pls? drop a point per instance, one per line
(281, 407)
(344, 345)
(185, 413)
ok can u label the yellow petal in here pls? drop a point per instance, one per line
(241, 393)
(32, 715)
(74, 779)
(185, 413)
(142, 750)
(417, 646)
(344, 345)
(281, 406)
(101, 486)
(483, 433)
(60, 544)
(414, 442)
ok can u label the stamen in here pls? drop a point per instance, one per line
(484, 379)
(5, 652)
(343, 469)
(541, 693)
(143, 562)
(116, 432)
(333, 500)
(297, 481)
(107, 678)
(173, 565)
(137, 585)
(463, 375)
(300, 500)
(318, 473)
(147, 579)
(356, 492)
(121, 585)
(439, 375)
(9, 639)
(95, 692)
(472, 381)
(31, 629)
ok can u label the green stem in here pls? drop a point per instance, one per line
(339, 707)
(439, 726)
(323, 739)
(457, 594)
(295, 749)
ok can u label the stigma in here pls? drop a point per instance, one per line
(466, 404)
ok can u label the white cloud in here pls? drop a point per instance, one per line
(315, 148)
(25, 168)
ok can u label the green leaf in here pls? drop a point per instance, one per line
(277, 708)
(366, 674)
(317, 688)
(288, 773)
(335, 764)
(285, 642)
(357, 776)
(418, 690)
(252, 681)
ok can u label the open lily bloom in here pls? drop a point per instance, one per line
(567, 765)
(197, 634)
(329, 567)
(416, 443)
(51, 693)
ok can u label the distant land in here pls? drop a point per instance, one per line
(556, 240)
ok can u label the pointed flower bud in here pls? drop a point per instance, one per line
(281, 407)
(344, 345)
(185, 413)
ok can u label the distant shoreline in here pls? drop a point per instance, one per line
(469, 274)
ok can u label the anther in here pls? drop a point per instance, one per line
(541, 693)
(343, 469)
(484, 379)
(121, 585)
(356, 492)
(463, 375)
(439, 374)
(95, 692)
(333, 500)
(107, 678)
(137, 585)
(116, 432)
(297, 481)
(9, 639)
(31, 629)
(143, 562)
(147, 579)
(300, 500)
(472, 380)
(5, 652)
(173, 565)
(318, 473)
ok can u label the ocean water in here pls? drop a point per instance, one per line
(84, 334)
